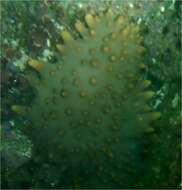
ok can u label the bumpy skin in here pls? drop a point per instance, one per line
(91, 107)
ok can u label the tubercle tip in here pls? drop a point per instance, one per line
(155, 115)
(19, 109)
(60, 48)
(147, 95)
(35, 64)
(89, 19)
(146, 83)
(142, 66)
(79, 26)
(119, 20)
(66, 36)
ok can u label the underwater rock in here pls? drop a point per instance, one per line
(15, 149)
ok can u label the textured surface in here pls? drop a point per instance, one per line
(91, 107)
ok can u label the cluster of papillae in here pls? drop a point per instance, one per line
(91, 106)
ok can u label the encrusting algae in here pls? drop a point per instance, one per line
(92, 106)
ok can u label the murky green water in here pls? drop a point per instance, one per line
(31, 29)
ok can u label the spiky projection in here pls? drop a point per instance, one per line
(92, 106)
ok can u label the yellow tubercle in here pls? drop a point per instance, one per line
(35, 64)
(51, 155)
(92, 32)
(149, 130)
(142, 66)
(113, 58)
(147, 95)
(146, 108)
(135, 28)
(141, 50)
(109, 13)
(60, 48)
(113, 35)
(76, 82)
(140, 118)
(19, 109)
(119, 20)
(155, 115)
(146, 83)
(67, 37)
(79, 26)
(89, 19)
(109, 154)
(92, 51)
(105, 49)
(139, 39)
(93, 81)
(82, 94)
(125, 32)
(64, 93)
(130, 86)
(93, 63)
